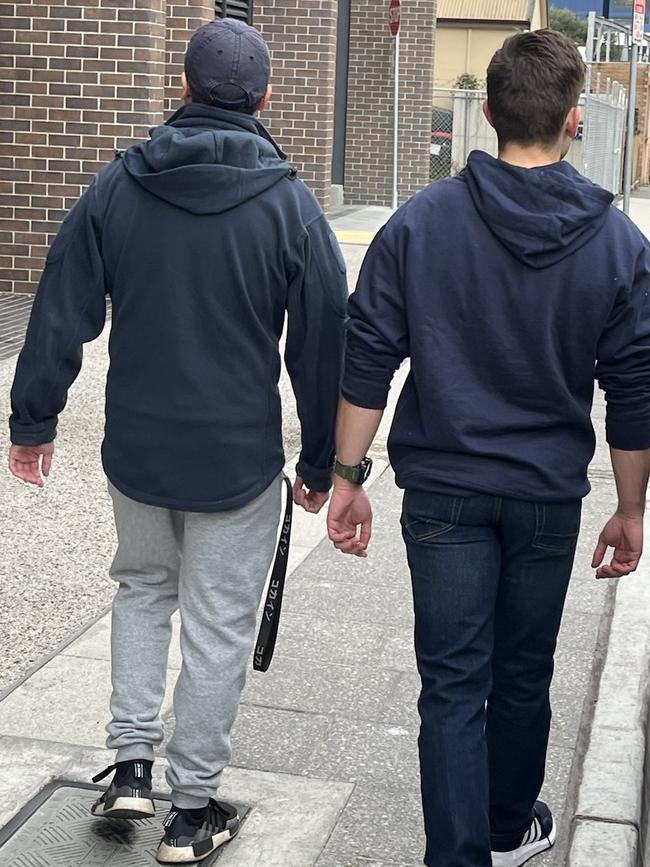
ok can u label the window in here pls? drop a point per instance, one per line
(240, 9)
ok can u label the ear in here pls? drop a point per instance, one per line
(488, 113)
(187, 96)
(573, 122)
(266, 99)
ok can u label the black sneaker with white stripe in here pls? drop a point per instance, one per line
(191, 835)
(539, 837)
(129, 794)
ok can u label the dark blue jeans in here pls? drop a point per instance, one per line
(490, 577)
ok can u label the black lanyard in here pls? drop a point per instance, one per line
(272, 607)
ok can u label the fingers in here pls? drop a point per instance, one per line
(310, 501)
(316, 500)
(349, 523)
(624, 567)
(366, 533)
(617, 569)
(299, 494)
(347, 541)
(352, 546)
(341, 538)
(599, 553)
(608, 571)
(26, 471)
(338, 533)
(47, 465)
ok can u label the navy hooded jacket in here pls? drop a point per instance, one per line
(508, 288)
(203, 238)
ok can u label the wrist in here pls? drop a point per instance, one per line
(343, 485)
(631, 510)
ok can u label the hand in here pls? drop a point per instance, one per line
(349, 522)
(623, 533)
(28, 462)
(311, 501)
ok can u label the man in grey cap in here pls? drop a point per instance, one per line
(203, 237)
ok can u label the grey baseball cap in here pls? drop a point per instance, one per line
(228, 64)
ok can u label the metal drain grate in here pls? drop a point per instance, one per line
(56, 830)
(14, 316)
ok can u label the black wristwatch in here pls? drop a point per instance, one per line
(357, 475)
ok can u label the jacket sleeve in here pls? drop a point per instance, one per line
(377, 333)
(314, 349)
(623, 368)
(69, 310)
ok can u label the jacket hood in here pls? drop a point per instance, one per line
(207, 160)
(541, 215)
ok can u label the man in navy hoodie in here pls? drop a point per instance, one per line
(203, 237)
(507, 287)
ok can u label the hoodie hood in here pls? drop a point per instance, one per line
(206, 160)
(541, 215)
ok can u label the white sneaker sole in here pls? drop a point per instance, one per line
(185, 854)
(125, 808)
(524, 853)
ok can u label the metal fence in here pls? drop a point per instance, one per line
(604, 134)
(458, 126)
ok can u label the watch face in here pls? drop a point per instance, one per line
(366, 468)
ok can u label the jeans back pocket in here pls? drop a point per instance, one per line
(557, 526)
(427, 516)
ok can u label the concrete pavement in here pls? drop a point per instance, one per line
(330, 731)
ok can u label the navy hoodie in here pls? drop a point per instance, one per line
(203, 238)
(508, 288)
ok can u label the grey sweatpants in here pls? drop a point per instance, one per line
(212, 566)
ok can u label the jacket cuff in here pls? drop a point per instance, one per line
(315, 478)
(628, 436)
(366, 384)
(366, 396)
(32, 434)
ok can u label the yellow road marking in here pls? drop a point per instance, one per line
(353, 237)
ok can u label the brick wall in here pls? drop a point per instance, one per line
(416, 100)
(183, 19)
(621, 72)
(302, 38)
(76, 81)
(369, 142)
(79, 79)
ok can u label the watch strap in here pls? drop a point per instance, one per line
(357, 474)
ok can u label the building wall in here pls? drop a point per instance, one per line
(302, 38)
(77, 80)
(466, 49)
(85, 77)
(183, 18)
(470, 48)
(540, 15)
(81, 79)
(369, 140)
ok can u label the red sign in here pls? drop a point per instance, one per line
(393, 16)
(638, 22)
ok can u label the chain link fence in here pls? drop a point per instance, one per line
(458, 126)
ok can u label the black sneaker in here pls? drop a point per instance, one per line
(129, 795)
(191, 835)
(539, 837)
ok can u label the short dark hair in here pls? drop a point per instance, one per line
(533, 82)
